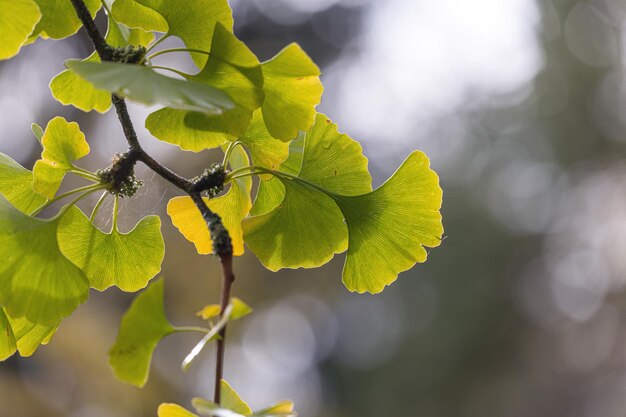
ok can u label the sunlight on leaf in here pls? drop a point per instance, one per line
(240, 310)
(292, 91)
(16, 184)
(36, 280)
(138, 16)
(232, 401)
(193, 21)
(390, 226)
(30, 335)
(209, 312)
(232, 68)
(143, 326)
(59, 19)
(8, 344)
(70, 89)
(279, 409)
(63, 143)
(265, 151)
(173, 410)
(306, 229)
(232, 207)
(212, 335)
(141, 84)
(17, 20)
(126, 260)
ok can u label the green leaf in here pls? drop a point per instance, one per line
(16, 184)
(390, 226)
(292, 91)
(59, 19)
(173, 410)
(232, 207)
(8, 344)
(18, 18)
(265, 151)
(233, 406)
(37, 131)
(36, 280)
(232, 68)
(70, 89)
(146, 86)
(126, 260)
(191, 20)
(135, 15)
(232, 401)
(307, 229)
(280, 409)
(63, 143)
(30, 335)
(143, 326)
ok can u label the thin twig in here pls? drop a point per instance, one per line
(219, 234)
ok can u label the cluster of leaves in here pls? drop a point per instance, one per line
(314, 197)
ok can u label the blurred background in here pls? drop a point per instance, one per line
(521, 106)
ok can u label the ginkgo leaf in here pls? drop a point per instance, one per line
(280, 409)
(389, 227)
(232, 401)
(36, 280)
(29, 335)
(70, 89)
(232, 207)
(17, 21)
(138, 16)
(37, 131)
(59, 19)
(193, 21)
(232, 68)
(307, 229)
(265, 151)
(126, 260)
(63, 143)
(16, 184)
(143, 326)
(240, 310)
(292, 91)
(8, 344)
(142, 84)
(173, 410)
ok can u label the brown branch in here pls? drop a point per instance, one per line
(222, 244)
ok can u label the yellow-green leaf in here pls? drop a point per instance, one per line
(390, 226)
(292, 91)
(136, 15)
(143, 326)
(232, 68)
(36, 280)
(280, 409)
(70, 89)
(265, 151)
(232, 207)
(17, 21)
(59, 19)
(16, 184)
(8, 344)
(210, 311)
(306, 229)
(126, 260)
(173, 410)
(29, 335)
(63, 143)
(142, 84)
(193, 21)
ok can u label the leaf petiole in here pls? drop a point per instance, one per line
(154, 45)
(229, 151)
(175, 71)
(167, 51)
(191, 329)
(94, 213)
(88, 189)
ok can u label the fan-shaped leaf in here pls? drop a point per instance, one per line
(29, 335)
(146, 86)
(143, 326)
(18, 18)
(191, 20)
(16, 184)
(63, 143)
(234, 69)
(390, 226)
(173, 410)
(70, 89)
(8, 344)
(126, 260)
(307, 229)
(36, 280)
(265, 151)
(292, 91)
(59, 19)
(232, 208)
